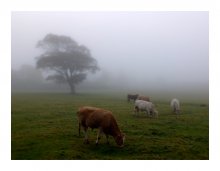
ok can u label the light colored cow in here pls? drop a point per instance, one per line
(141, 105)
(175, 105)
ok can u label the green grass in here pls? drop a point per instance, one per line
(44, 126)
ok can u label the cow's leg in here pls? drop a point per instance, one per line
(79, 128)
(98, 136)
(155, 112)
(86, 141)
(174, 109)
(177, 113)
(151, 112)
(136, 110)
(148, 112)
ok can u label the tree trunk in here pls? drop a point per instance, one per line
(72, 88)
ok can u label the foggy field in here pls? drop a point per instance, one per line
(161, 54)
(44, 126)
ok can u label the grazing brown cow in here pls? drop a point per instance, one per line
(132, 97)
(145, 98)
(92, 117)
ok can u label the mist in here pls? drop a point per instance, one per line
(163, 53)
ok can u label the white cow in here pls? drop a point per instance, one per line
(175, 105)
(141, 105)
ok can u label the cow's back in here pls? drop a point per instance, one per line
(145, 98)
(103, 119)
(97, 118)
(141, 103)
(84, 113)
(174, 103)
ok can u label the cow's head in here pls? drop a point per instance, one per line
(155, 113)
(120, 138)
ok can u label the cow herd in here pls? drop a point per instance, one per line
(105, 122)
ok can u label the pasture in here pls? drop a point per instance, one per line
(44, 126)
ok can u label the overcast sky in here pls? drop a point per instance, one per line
(150, 47)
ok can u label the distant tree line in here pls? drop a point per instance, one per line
(30, 79)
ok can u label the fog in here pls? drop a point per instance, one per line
(144, 52)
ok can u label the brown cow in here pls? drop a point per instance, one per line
(145, 98)
(92, 117)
